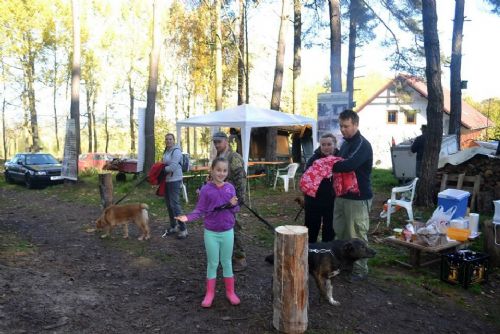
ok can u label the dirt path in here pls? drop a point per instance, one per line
(66, 280)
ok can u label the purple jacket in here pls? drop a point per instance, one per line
(211, 197)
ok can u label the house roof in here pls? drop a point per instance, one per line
(471, 118)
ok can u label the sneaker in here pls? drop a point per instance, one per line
(182, 234)
(170, 231)
(239, 264)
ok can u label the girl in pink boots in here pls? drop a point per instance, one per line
(217, 203)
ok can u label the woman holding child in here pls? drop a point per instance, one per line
(319, 210)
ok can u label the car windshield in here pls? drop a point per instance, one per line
(40, 159)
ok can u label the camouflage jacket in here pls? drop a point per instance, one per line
(236, 175)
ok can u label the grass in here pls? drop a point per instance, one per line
(383, 180)
(11, 245)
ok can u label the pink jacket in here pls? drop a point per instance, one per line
(322, 168)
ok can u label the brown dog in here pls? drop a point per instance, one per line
(123, 214)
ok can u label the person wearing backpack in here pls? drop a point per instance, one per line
(172, 158)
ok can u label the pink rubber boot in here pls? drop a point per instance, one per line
(231, 296)
(210, 294)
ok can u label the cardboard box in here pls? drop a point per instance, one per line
(464, 267)
(454, 197)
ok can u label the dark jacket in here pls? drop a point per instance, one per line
(325, 194)
(358, 155)
(418, 146)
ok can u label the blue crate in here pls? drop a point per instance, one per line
(454, 197)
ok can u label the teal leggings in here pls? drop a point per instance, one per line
(219, 245)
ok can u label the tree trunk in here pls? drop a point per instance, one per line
(54, 96)
(247, 62)
(290, 279)
(455, 71)
(218, 56)
(425, 189)
(152, 88)
(241, 54)
(29, 69)
(75, 77)
(335, 46)
(94, 127)
(131, 112)
(106, 189)
(106, 131)
(297, 47)
(278, 82)
(351, 61)
(4, 103)
(89, 118)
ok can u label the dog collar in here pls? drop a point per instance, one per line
(322, 251)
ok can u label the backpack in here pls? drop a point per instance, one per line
(185, 164)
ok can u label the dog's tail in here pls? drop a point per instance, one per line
(144, 212)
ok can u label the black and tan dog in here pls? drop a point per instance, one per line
(327, 259)
(122, 215)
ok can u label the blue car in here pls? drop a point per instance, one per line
(33, 169)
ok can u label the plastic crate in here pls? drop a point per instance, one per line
(465, 267)
(454, 197)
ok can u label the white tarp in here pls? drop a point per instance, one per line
(247, 117)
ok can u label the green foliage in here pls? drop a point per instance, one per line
(491, 109)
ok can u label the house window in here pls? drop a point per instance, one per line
(411, 117)
(392, 117)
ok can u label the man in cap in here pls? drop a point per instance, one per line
(418, 147)
(237, 177)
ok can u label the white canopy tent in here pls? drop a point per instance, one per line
(247, 117)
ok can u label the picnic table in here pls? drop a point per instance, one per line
(416, 250)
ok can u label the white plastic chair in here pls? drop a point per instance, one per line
(404, 202)
(290, 170)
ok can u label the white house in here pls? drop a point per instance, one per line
(398, 110)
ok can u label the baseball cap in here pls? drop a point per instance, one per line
(219, 135)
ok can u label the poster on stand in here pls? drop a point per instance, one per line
(70, 159)
(330, 105)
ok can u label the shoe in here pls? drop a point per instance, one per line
(230, 295)
(358, 278)
(182, 234)
(170, 231)
(239, 264)
(210, 293)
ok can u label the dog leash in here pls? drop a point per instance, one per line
(271, 227)
(298, 214)
(131, 190)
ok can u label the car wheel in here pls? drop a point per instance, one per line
(29, 182)
(8, 178)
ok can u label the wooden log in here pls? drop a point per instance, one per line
(489, 242)
(290, 279)
(106, 189)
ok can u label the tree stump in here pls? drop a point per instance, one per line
(106, 189)
(290, 279)
(489, 242)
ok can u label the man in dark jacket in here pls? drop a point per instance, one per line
(350, 215)
(418, 147)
